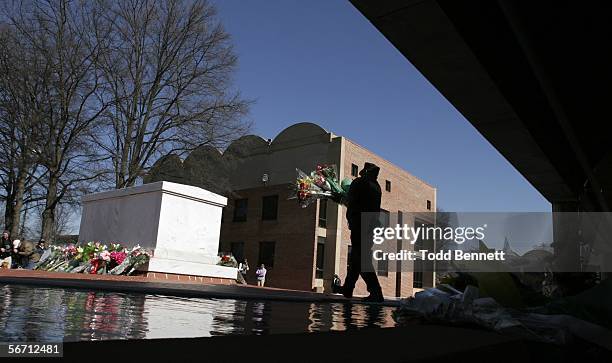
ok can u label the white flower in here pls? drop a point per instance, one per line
(105, 255)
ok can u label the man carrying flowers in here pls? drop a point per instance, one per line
(364, 198)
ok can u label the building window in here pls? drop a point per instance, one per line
(269, 209)
(320, 257)
(429, 205)
(385, 218)
(266, 254)
(382, 267)
(387, 185)
(323, 213)
(241, 207)
(354, 170)
(237, 250)
(417, 275)
(348, 256)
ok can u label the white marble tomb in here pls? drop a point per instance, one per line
(180, 223)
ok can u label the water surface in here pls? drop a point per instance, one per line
(55, 314)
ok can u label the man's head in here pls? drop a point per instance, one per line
(42, 243)
(370, 170)
(5, 234)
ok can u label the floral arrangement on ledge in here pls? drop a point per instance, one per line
(94, 258)
(227, 260)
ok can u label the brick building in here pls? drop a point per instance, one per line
(304, 247)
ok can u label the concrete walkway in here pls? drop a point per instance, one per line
(139, 284)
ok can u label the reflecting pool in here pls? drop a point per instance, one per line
(55, 314)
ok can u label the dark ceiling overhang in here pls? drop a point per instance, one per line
(527, 75)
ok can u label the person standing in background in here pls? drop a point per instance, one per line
(6, 246)
(243, 268)
(261, 275)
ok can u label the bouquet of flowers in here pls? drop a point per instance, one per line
(94, 258)
(321, 183)
(227, 260)
(132, 260)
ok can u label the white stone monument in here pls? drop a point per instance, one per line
(180, 223)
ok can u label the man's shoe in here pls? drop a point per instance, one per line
(346, 293)
(374, 298)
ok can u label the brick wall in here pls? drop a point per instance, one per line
(293, 233)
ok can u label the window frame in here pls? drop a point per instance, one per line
(320, 257)
(322, 220)
(382, 266)
(264, 214)
(418, 274)
(354, 170)
(259, 254)
(236, 217)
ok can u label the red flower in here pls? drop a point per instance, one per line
(118, 257)
(95, 264)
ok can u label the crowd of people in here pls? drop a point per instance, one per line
(15, 253)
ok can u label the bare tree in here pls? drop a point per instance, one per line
(96, 88)
(63, 33)
(21, 109)
(168, 72)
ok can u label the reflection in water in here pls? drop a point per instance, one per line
(55, 314)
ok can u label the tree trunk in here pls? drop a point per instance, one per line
(9, 203)
(48, 215)
(8, 211)
(18, 206)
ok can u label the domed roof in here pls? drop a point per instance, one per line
(203, 155)
(245, 146)
(168, 168)
(300, 130)
(206, 168)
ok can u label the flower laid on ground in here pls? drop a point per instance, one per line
(321, 183)
(95, 258)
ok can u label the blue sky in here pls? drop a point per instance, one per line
(322, 61)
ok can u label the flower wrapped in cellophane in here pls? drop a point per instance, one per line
(321, 183)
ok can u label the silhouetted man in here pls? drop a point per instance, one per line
(363, 197)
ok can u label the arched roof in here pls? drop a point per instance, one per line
(299, 131)
(246, 145)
